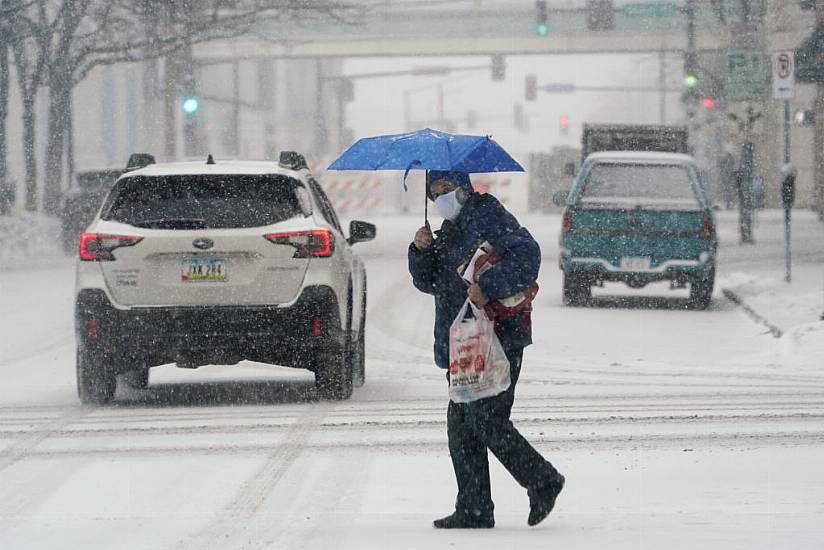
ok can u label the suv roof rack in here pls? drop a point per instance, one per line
(292, 160)
(139, 160)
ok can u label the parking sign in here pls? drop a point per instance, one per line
(783, 75)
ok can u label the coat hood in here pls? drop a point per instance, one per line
(461, 179)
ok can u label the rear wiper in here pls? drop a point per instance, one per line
(171, 223)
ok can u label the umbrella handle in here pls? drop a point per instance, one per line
(425, 202)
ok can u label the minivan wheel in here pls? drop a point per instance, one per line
(577, 290)
(333, 375)
(701, 291)
(96, 382)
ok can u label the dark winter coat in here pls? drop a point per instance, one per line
(434, 270)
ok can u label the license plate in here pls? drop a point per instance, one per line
(194, 270)
(635, 263)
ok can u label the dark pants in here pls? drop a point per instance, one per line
(484, 424)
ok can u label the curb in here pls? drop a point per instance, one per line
(754, 315)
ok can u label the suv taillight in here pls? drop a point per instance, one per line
(98, 247)
(318, 243)
(707, 227)
(566, 222)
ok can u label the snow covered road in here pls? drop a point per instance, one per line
(675, 429)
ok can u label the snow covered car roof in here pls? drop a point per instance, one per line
(640, 156)
(198, 168)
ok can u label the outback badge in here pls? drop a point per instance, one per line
(203, 243)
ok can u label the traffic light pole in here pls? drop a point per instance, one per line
(785, 192)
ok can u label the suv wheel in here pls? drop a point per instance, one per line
(96, 382)
(577, 291)
(701, 291)
(359, 352)
(137, 379)
(333, 375)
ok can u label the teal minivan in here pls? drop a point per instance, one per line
(638, 217)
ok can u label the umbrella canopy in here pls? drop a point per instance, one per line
(427, 149)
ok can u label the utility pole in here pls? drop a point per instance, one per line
(236, 107)
(690, 56)
(321, 137)
(818, 190)
(171, 76)
(662, 87)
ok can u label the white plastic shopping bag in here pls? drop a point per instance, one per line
(478, 366)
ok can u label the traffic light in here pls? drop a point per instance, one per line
(191, 104)
(192, 125)
(690, 81)
(563, 123)
(709, 102)
(541, 14)
(531, 88)
(498, 67)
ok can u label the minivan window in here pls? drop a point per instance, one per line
(639, 185)
(202, 201)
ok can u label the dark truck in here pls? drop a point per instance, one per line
(81, 202)
(633, 137)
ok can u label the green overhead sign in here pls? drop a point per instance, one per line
(652, 9)
(747, 75)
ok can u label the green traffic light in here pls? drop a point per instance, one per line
(190, 105)
(690, 80)
(542, 29)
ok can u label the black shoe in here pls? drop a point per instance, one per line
(542, 501)
(460, 520)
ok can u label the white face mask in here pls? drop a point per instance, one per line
(448, 205)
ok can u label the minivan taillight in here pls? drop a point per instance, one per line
(707, 227)
(566, 222)
(318, 243)
(98, 247)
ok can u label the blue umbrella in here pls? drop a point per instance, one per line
(427, 149)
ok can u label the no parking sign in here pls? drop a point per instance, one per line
(783, 75)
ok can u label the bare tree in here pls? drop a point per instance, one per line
(91, 33)
(64, 40)
(9, 34)
(30, 59)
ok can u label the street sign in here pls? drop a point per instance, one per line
(653, 9)
(746, 76)
(783, 75)
(559, 88)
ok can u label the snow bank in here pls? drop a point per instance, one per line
(796, 308)
(25, 237)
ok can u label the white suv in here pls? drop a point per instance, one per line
(213, 262)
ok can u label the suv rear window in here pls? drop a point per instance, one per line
(639, 185)
(202, 202)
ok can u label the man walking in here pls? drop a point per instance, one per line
(471, 219)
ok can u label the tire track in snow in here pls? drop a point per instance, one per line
(28, 440)
(231, 522)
